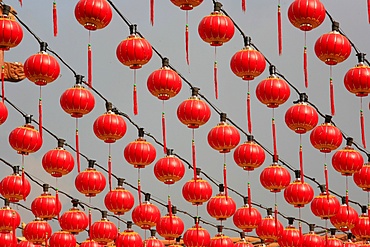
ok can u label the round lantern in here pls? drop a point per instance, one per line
(325, 205)
(249, 155)
(333, 48)
(41, 68)
(311, 239)
(362, 177)
(326, 137)
(270, 228)
(193, 112)
(119, 200)
(301, 117)
(298, 193)
(216, 28)
(58, 162)
(221, 240)
(243, 242)
(77, 100)
(362, 226)
(25, 139)
(74, 220)
(197, 191)
(146, 215)
(170, 226)
(223, 137)
(272, 91)
(129, 238)
(140, 153)
(3, 112)
(247, 63)
(89, 243)
(62, 239)
(25, 243)
(135, 51)
(9, 218)
(290, 236)
(196, 236)
(349, 242)
(109, 127)
(15, 187)
(332, 240)
(46, 206)
(90, 182)
(11, 33)
(103, 231)
(7, 240)
(357, 79)
(347, 160)
(164, 83)
(37, 231)
(346, 217)
(306, 14)
(169, 169)
(93, 15)
(186, 4)
(275, 177)
(221, 206)
(247, 217)
(153, 241)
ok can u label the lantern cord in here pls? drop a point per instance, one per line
(280, 36)
(89, 65)
(244, 5)
(332, 104)
(77, 148)
(326, 180)
(164, 132)
(362, 122)
(40, 114)
(194, 159)
(2, 83)
(305, 71)
(110, 167)
(152, 12)
(55, 19)
(225, 176)
(135, 95)
(249, 118)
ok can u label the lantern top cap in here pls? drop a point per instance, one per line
(195, 91)
(247, 41)
(221, 188)
(108, 106)
(196, 219)
(45, 187)
(133, 29)
(290, 220)
(104, 215)
(91, 163)
(349, 236)
(43, 46)
(311, 227)
(242, 235)
(169, 151)
(349, 141)
(333, 231)
(129, 224)
(178, 239)
(28, 119)
(198, 171)
(245, 200)
(363, 209)
(75, 202)
(269, 211)
(141, 132)
(220, 228)
(6, 202)
(303, 97)
(16, 170)
(6, 9)
(165, 62)
(79, 79)
(297, 174)
(217, 7)
(120, 182)
(153, 232)
(272, 70)
(335, 26)
(223, 117)
(361, 57)
(322, 188)
(61, 142)
(147, 197)
(328, 118)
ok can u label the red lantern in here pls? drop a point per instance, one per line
(11, 33)
(311, 239)
(74, 220)
(46, 206)
(223, 137)
(290, 236)
(221, 206)
(325, 205)
(140, 153)
(298, 193)
(3, 112)
(346, 217)
(93, 15)
(58, 162)
(186, 4)
(129, 238)
(170, 226)
(90, 182)
(89, 243)
(301, 117)
(25, 139)
(348, 160)
(14, 187)
(62, 239)
(247, 217)
(153, 241)
(7, 240)
(77, 100)
(103, 231)
(249, 155)
(197, 191)
(270, 228)
(221, 240)
(193, 112)
(326, 137)
(306, 14)
(333, 48)
(362, 227)
(109, 127)
(25, 243)
(37, 231)
(169, 169)
(146, 215)
(362, 177)
(273, 91)
(119, 200)
(247, 63)
(243, 242)
(333, 241)
(41, 68)
(357, 79)
(196, 236)
(9, 218)
(164, 83)
(275, 177)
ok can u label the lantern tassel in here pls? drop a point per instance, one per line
(244, 6)
(135, 100)
(249, 113)
(78, 150)
(326, 181)
(2, 83)
(57, 200)
(40, 116)
(187, 43)
(368, 10)
(332, 105)
(55, 19)
(301, 162)
(193, 154)
(305, 71)
(90, 220)
(280, 37)
(276, 218)
(46, 240)
(23, 182)
(139, 190)
(225, 181)
(152, 12)
(362, 121)
(21, 2)
(164, 133)
(215, 78)
(89, 66)
(249, 198)
(14, 228)
(274, 138)
(110, 172)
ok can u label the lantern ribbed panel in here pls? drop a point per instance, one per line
(170, 227)
(103, 231)
(25, 139)
(246, 218)
(41, 68)
(3, 113)
(13, 189)
(345, 219)
(74, 221)
(62, 239)
(119, 201)
(306, 14)
(146, 215)
(197, 237)
(58, 162)
(193, 112)
(197, 191)
(93, 15)
(325, 207)
(11, 33)
(301, 118)
(37, 231)
(129, 238)
(77, 101)
(247, 63)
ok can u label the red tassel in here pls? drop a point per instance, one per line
(187, 43)
(244, 6)
(89, 66)
(249, 197)
(21, 2)
(57, 200)
(139, 190)
(55, 19)
(215, 77)
(225, 181)
(332, 105)
(274, 138)
(368, 10)
(169, 207)
(276, 218)
(40, 116)
(110, 172)
(164, 133)
(301, 163)
(2, 83)
(362, 121)
(280, 37)
(194, 159)
(78, 152)
(152, 12)
(305, 71)
(326, 181)
(135, 100)
(90, 220)
(46, 240)
(249, 113)
(14, 230)
(23, 183)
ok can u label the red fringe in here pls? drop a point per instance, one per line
(194, 159)
(276, 218)
(274, 138)
(215, 78)
(14, 230)
(2, 83)
(326, 181)
(301, 163)
(55, 19)
(362, 121)
(46, 240)
(249, 113)
(164, 133)
(244, 6)
(90, 221)
(249, 198)
(368, 10)
(89, 66)
(139, 190)
(152, 12)
(110, 172)
(57, 200)
(225, 180)
(280, 37)
(40, 117)
(187, 43)
(135, 100)
(305, 71)
(169, 207)
(23, 183)
(78, 152)
(332, 104)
